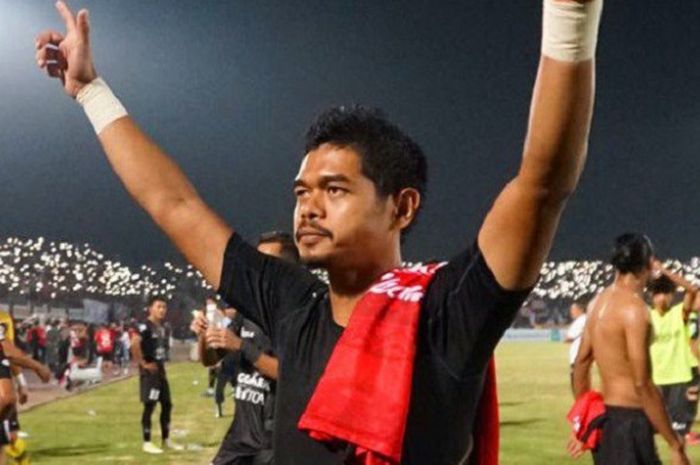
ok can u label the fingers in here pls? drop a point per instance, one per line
(571, 447)
(199, 324)
(67, 15)
(46, 45)
(48, 56)
(83, 23)
(575, 448)
(47, 37)
(215, 339)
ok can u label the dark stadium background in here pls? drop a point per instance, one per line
(228, 88)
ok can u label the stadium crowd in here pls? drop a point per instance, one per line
(61, 274)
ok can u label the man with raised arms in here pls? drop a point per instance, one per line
(359, 188)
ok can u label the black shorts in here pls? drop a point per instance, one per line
(628, 439)
(228, 457)
(678, 406)
(5, 371)
(5, 433)
(14, 420)
(154, 387)
(231, 452)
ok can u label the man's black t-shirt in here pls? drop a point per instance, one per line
(464, 314)
(154, 342)
(252, 426)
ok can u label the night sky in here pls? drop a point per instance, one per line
(228, 88)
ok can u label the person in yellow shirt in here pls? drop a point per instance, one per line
(16, 450)
(13, 389)
(671, 356)
(693, 327)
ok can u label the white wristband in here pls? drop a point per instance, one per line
(21, 380)
(100, 104)
(570, 29)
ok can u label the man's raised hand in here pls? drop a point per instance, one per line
(68, 57)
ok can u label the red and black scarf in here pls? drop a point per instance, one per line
(363, 396)
(587, 416)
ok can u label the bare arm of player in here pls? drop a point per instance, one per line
(227, 340)
(690, 290)
(19, 358)
(518, 232)
(268, 366)
(638, 335)
(20, 384)
(582, 364)
(151, 177)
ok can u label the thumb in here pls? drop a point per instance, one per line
(83, 22)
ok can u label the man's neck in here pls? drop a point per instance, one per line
(154, 320)
(348, 285)
(630, 282)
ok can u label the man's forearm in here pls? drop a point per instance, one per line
(268, 366)
(136, 354)
(680, 281)
(556, 142)
(157, 183)
(562, 102)
(19, 358)
(151, 177)
(582, 378)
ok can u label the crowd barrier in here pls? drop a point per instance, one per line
(534, 335)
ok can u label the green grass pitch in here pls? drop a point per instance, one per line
(103, 425)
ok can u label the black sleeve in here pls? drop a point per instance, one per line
(236, 323)
(467, 312)
(263, 288)
(694, 327)
(146, 342)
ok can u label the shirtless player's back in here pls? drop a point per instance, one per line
(617, 338)
(610, 316)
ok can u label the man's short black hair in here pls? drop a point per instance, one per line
(155, 298)
(661, 285)
(632, 253)
(289, 248)
(390, 158)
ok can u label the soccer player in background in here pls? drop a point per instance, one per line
(150, 347)
(617, 336)
(672, 359)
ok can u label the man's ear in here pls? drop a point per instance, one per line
(407, 203)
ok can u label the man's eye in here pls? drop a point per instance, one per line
(335, 190)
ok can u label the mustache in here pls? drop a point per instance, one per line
(312, 228)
